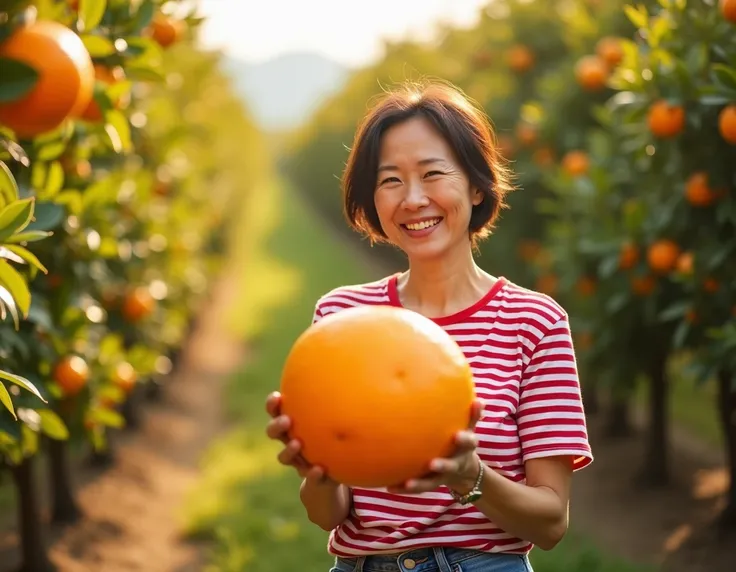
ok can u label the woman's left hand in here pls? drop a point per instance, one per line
(457, 472)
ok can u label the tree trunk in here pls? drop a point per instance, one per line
(618, 420)
(655, 469)
(64, 506)
(33, 546)
(727, 414)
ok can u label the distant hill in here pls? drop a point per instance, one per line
(284, 91)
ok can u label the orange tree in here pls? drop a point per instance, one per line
(112, 220)
(676, 105)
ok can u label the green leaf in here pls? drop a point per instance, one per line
(107, 417)
(637, 15)
(52, 425)
(7, 303)
(6, 401)
(14, 283)
(27, 256)
(18, 79)
(15, 217)
(91, 13)
(724, 75)
(8, 186)
(46, 216)
(54, 180)
(21, 382)
(118, 129)
(97, 46)
(144, 15)
(8, 254)
(28, 236)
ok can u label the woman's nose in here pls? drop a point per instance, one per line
(415, 197)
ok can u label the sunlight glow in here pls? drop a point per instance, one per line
(351, 33)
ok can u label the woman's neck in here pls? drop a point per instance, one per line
(442, 288)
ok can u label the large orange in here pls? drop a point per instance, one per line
(65, 78)
(375, 393)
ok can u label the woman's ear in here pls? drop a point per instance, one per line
(476, 197)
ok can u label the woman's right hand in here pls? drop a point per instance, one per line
(278, 429)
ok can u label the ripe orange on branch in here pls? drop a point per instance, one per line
(591, 73)
(124, 376)
(71, 374)
(375, 393)
(663, 255)
(610, 50)
(138, 304)
(65, 78)
(666, 120)
(727, 122)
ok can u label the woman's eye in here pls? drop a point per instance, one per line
(433, 173)
(390, 180)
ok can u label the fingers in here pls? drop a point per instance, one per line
(476, 411)
(290, 455)
(273, 404)
(278, 428)
(465, 441)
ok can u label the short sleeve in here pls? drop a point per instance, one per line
(551, 417)
(317, 316)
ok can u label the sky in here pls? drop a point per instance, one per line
(348, 31)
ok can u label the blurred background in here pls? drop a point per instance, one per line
(170, 213)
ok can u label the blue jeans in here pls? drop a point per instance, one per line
(437, 559)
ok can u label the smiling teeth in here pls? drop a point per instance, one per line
(422, 225)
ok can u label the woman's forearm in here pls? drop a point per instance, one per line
(327, 504)
(535, 514)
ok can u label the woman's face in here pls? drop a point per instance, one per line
(423, 197)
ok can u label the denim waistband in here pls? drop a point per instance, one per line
(436, 559)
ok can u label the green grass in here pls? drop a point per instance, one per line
(245, 501)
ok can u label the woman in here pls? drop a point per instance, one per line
(425, 175)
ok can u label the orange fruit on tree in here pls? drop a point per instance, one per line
(124, 376)
(591, 73)
(698, 192)
(138, 304)
(166, 30)
(643, 285)
(665, 120)
(71, 374)
(711, 285)
(686, 263)
(586, 286)
(727, 123)
(543, 157)
(520, 58)
(107, 76)
(728, 10)
(576, 163)
(526, 134)
(628, 256)
(65, 78)
(610, 51)
(403, 369)
(663, 255)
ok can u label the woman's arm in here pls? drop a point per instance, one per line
(327, 503)
(536, 511)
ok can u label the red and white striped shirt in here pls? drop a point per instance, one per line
(519, 347)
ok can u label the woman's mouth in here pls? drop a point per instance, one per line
(422, 227)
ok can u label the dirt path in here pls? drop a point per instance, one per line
(131, 509)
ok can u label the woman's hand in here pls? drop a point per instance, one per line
(278, 429)
(458, 472)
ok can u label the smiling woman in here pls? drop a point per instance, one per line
(424, 175)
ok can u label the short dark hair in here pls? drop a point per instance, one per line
(464, 126)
